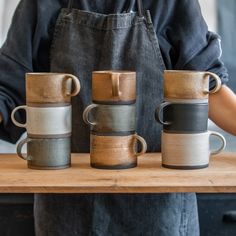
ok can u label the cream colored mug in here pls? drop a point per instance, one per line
(45, 121)
(188, 151)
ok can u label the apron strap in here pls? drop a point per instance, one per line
(70, 4)
(140, 8)
(139, 3)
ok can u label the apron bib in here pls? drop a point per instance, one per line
(84, 42)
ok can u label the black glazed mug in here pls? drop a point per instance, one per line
(183, 117)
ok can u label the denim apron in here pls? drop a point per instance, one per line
(83, 42)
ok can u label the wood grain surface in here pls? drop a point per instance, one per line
(148, 177)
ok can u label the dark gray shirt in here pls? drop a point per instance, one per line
(184, 39)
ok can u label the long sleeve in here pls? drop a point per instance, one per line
(184, 38)
(15, 61)
(26, 49)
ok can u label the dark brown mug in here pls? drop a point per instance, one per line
(115, 152)
(51, 88)
(114, 87)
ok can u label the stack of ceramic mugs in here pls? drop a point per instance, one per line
(112, 117)
(48, 120)
(184, 115)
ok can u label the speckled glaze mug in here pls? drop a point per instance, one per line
(114, 87)
(188, 151)
(48, 122)
(51, 88)
(115, 152)
(46, 153)
(110, 119)
(183, 84)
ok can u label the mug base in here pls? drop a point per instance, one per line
(185, 167)
(49, 167)
(115, 167)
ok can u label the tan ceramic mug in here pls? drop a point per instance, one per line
(183, 84)
(115, 152)
(51, 88)
(114, 87)
(188, 151)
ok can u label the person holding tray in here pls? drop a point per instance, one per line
(81, 36)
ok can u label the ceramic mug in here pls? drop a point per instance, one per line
(114, 87)
(183, 117)
(108, 119)
(51, 88)
(188, 151)
(46, 153)
(115, 152)
(183, 84)
(45, 121)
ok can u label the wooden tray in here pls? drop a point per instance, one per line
(149, 177)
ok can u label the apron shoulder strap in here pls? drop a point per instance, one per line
(70, 4)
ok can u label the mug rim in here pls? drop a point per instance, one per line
(185, 71)
(113, 72)
(46, 73)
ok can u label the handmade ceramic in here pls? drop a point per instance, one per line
(183, 117)
(115, 152)
(51, 88)
(183, 84)
(45, 121)
(108, 119)
(114, 87)
(188, 151)
(46, 153)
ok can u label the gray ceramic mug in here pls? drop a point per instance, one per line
(183, 117)
(188, 151)
(108, 119)
(46, 153)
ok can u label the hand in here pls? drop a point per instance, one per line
(222, 109)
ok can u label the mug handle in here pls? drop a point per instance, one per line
(143, 143)
(217, 79)
(13, 116)
(158, 113)
(19, 149)
(221, 137)
(76, 83)
(115, 83)
(86, 114)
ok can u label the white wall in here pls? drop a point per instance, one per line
(7, 8)
(209, 12)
